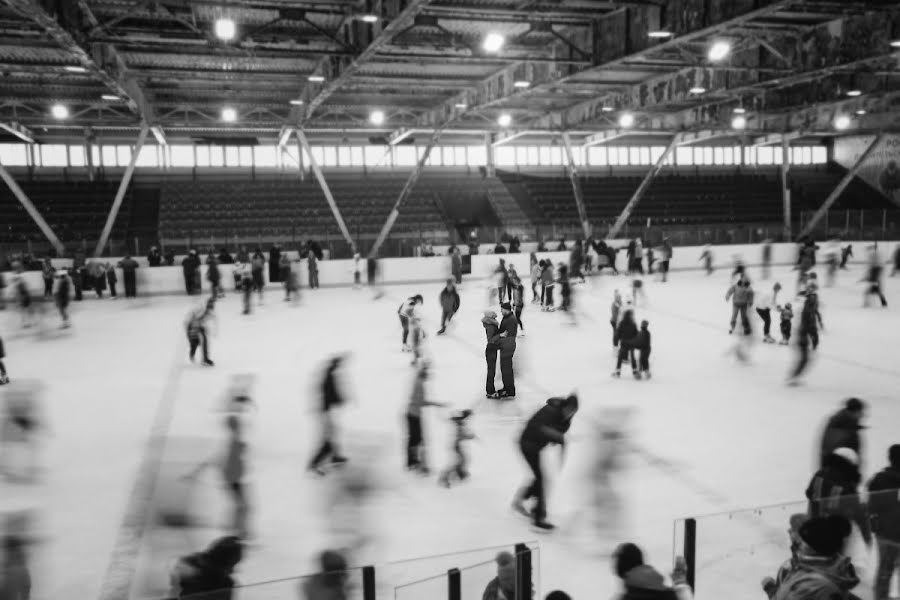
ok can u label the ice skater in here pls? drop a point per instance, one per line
(766, 258)
(509, 329)
(196, 326)
(332, 399)
(20, 425)
(787, 315)
(741, 296)
(245, 277)
(357, 276)
(637, 291)
(4, 378)
(547, 426)
(518, 303)
(492, 348)
(449, 301)
(615, 312)
(405, 313)
(626, 331)
(565, 289)
(641, 343)
(547, 283)
(846, 253)
(767, 302)
(62, 294)
(807, 333)
(459, 470)
(416, 455)
(873, 280)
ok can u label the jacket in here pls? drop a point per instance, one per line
(818, 578)
(641, 341)
(196, 574)
(842, 431)
(627, 329)
(546, 426)
(547, 275)
(510, 325)
(833, 491)
(491, 331)
(884, 504)
(740, 295)
(645, 583)
(449, 300)
(128, 265)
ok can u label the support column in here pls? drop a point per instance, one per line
(300, 159)
(404, 193)
(30, 208)
(841, 186)
(639, 192)
(576, 186)
(325, 189)
(489, 152)
(120, 194)
(785, 188)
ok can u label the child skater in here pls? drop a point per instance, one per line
(637, 289)
(416, 336)
(787, 313)
(461, 434)
(415, 440)
(518, 302)
(536, 267)
(197, 332)
(625, 333)
(641, 343)
(873, 281)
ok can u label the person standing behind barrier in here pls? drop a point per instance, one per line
(312, 264)
(129, 266)
(456, 265)
(884, 512)
(258, 273)
(189, 265)
(48, 273)
(766, 258)
(666, 258)
(61, 294)
(112, 279)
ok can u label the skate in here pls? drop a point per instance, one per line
(646, 374)
(208, 363)
(406, 348)
(317, 470)
(637, 375)
(730, 331)
(504, 395)
(540, 526)
(491, 395)
(442, 330)
(522, 333)
(4, 380)
(617, 373)
(338, 461)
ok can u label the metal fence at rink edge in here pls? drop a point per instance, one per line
(729, 554)
(456, 576)
(873, 225)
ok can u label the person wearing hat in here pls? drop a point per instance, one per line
(547, 426)
(503, 586)
(209, 572)
(509, 328)
(461, 435)
(643, 582)
(833, 490)
(492, 347)
(819, 569)
(884, 509)
(449, 300)
(842, 430)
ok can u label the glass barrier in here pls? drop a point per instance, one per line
(344, 584)
(736, 550)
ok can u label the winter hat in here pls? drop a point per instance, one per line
(418, 298)
(332, 561)
(848, 454)
(571, 401)
(645, 324)
(558, 595)
(506, 306)
(854, 404)
(894, 455)
(504, 559)
(226, 552)
(490, 314)
(627, 557)
(826, 535)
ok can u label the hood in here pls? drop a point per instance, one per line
(490, 322)
(645, 577)
(839, 570)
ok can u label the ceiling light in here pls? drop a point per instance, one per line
(607, 109)
(521, 84)
(739, 122)
(626, 120)
(895, 44)
(739, 110)
(854, 93)
(229, 115)
(841, 122)
(719, 50)
(110, 97)
(697, 90)
(297, 102)
(59, 111)
(376, 117)
(75, 69)
(492, 42)
(316, 78)
(369, 18)
(225, 29)
(461, 105)
(504, 120)
(860, 112)
(660, 34)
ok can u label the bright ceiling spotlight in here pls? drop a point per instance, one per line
(376, 117)
(229, 115)
(521, 84)
(225, 29)
(296, 102)
(493, 42)
(860, 112)
(719, 50)
(739, 110)
(316, 78)
(697, 90)
(75, 69)
(369, 18)
(626, 120)
(607, 109)
(842, 122)
(504, 120)
(895, 44)
(739, 122)
(59, 111)
(461, 105)
(660, 34)
(854, 93)
(110, 97)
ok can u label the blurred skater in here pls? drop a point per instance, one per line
(196, 325)
(459, 470)
(873, 280)
(707, 257)
(405, 312)
(4, 378)
(787, 315)
(48, 273)
(807, 333)
(846, 253)
(244, 279)
(208, 574)
(62, 294)
(741, 296)
(332, 399)
(449, 301)
(641, 343)
(547, 282)
(21, 422)
(111, 280)
(518, 303)
(615, 311)
(416, 455)
(626, 331)
(766, 258)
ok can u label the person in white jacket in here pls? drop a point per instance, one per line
(764, 306)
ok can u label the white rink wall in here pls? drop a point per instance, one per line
(170, 280)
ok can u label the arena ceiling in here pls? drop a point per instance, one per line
(565, 65)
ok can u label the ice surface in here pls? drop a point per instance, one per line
(709, 434)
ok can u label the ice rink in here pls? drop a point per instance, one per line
(706, 434)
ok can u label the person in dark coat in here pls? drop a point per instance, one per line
(214, 276)
(225, 258)
(48, 273)
(846, 253)
(61, 295)
(884, 512)
(547, 426)
(641, 581)
(509, 329)
(833, 490)
(449, 300)
(275, 264)
(842, 430)
(128, 266)
(312, 267)
(456, 265)
(626, 331)
(189, 266)
(332, 398)
(112, 279)
(331, 582)
(492, 332)
(208, 573)
(169, 257)
(154, 258)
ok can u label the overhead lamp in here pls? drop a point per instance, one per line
(493, 42)
(229, 115)
(860, 112)
(504, 120)
(739, 110)
(110, 97)
(296, 102)
(607, 109)
(719, 50)
(660, 34)
(75, 69)
(369, 18)
(895, 44)
(59, 111)
(225, 29)
(697, 90)
(739, 122)
(316, 78)
(521, 84)
(461, 105)
(854, 93)
(376, 117)
(626, 120)
(842, 122)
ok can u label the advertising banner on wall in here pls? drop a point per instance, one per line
(881, 169)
